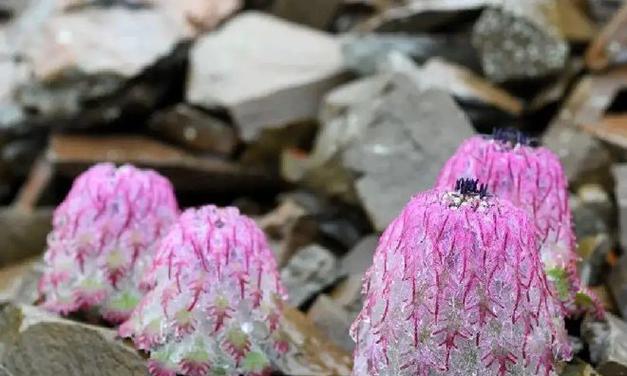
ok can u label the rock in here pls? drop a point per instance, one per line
(610, 129)
(593, 250)
(348, 294)
(617, 283)
(266, 149)
(23, 233)
(34, 342)
(579, 368)
(387, 132)
(607, 342)
(12, 75)
(18, 283)
(605, 297)
(359, 258)
(520, 41)
(555, 91)
(580, 153)
(194, 129)
(72, 154)
(467, 86)
(318, 15)
(291, 226)
(192, 16)
(58, 46)
(425, 15)
(300, 65)
(127, 72)
(603, 10)
(608, 48)
(61, 29)
(592, 218)
(197, 16)
(309, 271)
(333, 320)
(620, 191)
(365, 53)
(312, 353)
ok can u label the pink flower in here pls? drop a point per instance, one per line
(104, 235)
(531, 178)
(215, 294)
(457, 288)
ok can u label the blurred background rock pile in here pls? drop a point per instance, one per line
(320, 119)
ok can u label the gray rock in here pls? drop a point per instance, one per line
(318, 14)
(333, 320)
(348, 294)
(425, 15)
(578, 367)
(620, 177)
(291, 227)
(78, 68)
(34, 342)
(516, 45)
(308, 272)
(359, 258)
(617, 283)
(18, 283)
(23, 233)
(310, 351)
(194, 129)
(12, 75)
(391, 135)
(607, 342)
(364, 53)
(265, 71)
(593, 215)
(603, 10)
(580, 153)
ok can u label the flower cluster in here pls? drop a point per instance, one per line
(457, 288)
(104, 235)
(215, 299)
(531, 178)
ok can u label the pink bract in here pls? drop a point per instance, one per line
(215, 300)
(103, 237)
(457, 288)
(533, 179)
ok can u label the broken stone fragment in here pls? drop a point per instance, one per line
(300, 66)
(34, 342)
(582, 154)
(520, 41)
(608, 48)
(318, 14)
(385, 139)
(309, 271)
(579, 368)
(607, 342)
(365, 53)
(333, 320)
(311, 352)
(424, 15)
(291, 226)
(82, 75)
(194, 129)
(12, 75)
(71, 154)
(620, 177)
(617, 284)
(359, 258)
(18, 283)
(23, 233)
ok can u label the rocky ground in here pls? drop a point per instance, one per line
(319, 119)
